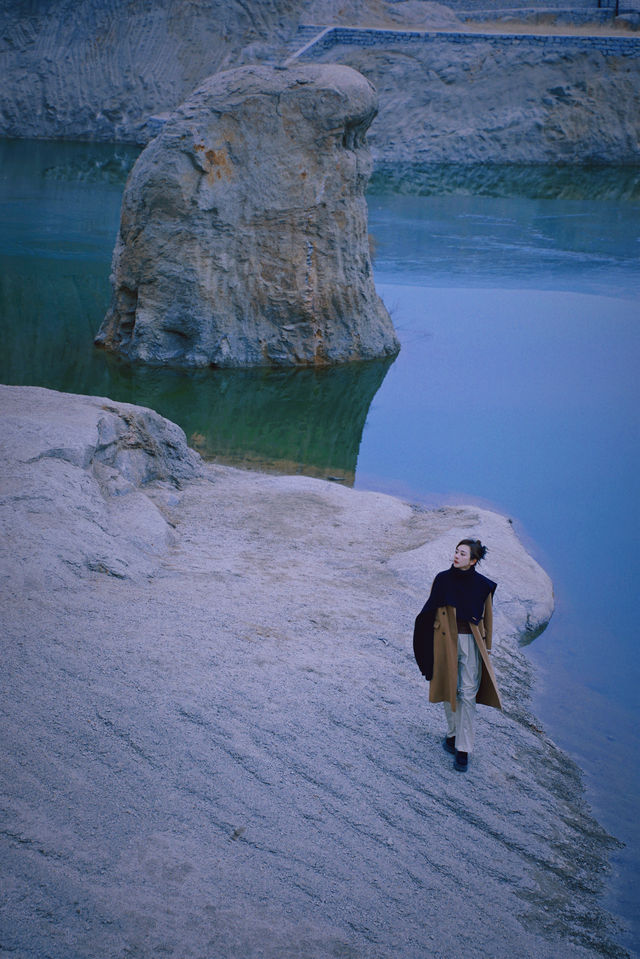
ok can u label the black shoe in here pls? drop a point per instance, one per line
(449, 743)
(461, 762)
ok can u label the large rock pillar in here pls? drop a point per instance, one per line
(243, 235)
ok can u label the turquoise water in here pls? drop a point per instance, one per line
(515, 295)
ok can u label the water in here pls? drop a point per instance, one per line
(517, 388)
(515, 296)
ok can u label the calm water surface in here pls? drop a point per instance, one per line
(515, 295)
(517, 388)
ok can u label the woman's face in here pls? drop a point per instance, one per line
(462, 557)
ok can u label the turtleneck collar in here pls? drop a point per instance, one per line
(462, 572)
(464, 589)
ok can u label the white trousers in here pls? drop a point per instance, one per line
(461, 723)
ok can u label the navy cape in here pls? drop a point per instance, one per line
(464, 589)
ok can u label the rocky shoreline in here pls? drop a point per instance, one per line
(215, 739)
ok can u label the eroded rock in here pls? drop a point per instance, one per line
(210, 700)
(243, 235)
(73, 500)
(446, 100)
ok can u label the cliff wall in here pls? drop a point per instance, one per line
(98, 69)
(110, 70)
(517, 98)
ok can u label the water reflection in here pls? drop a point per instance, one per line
(60, 204)
(65, 162)
(503, 242)
(291, 421)
(540, 182)
(295, 421)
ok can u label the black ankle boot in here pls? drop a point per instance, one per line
(461, 762)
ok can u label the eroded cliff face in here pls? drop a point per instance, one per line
(243, 235)
(99, 69)
(392, 14)
(112, 69)
(473, 100)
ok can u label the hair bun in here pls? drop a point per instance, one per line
(476, 549)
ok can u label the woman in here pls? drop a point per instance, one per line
(451, 643)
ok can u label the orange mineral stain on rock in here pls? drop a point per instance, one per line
(218, 164)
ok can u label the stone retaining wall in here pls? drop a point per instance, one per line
(369, 37)
(514, 6)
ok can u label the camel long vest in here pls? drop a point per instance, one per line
(444, 683)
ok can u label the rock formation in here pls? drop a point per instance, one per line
(209, 701)
(94, 457)
(478, 100)
(100, 69)
(243, 235)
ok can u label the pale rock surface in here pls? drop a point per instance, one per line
(93, 457)
(215, 741)
(100, 69)
(474, 103)
(243, 234)
(114, 69)
(391, 14)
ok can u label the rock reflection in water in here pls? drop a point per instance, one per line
(295, 421)
(301, 421)
(543, 181)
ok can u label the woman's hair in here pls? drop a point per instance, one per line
(476, 550)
